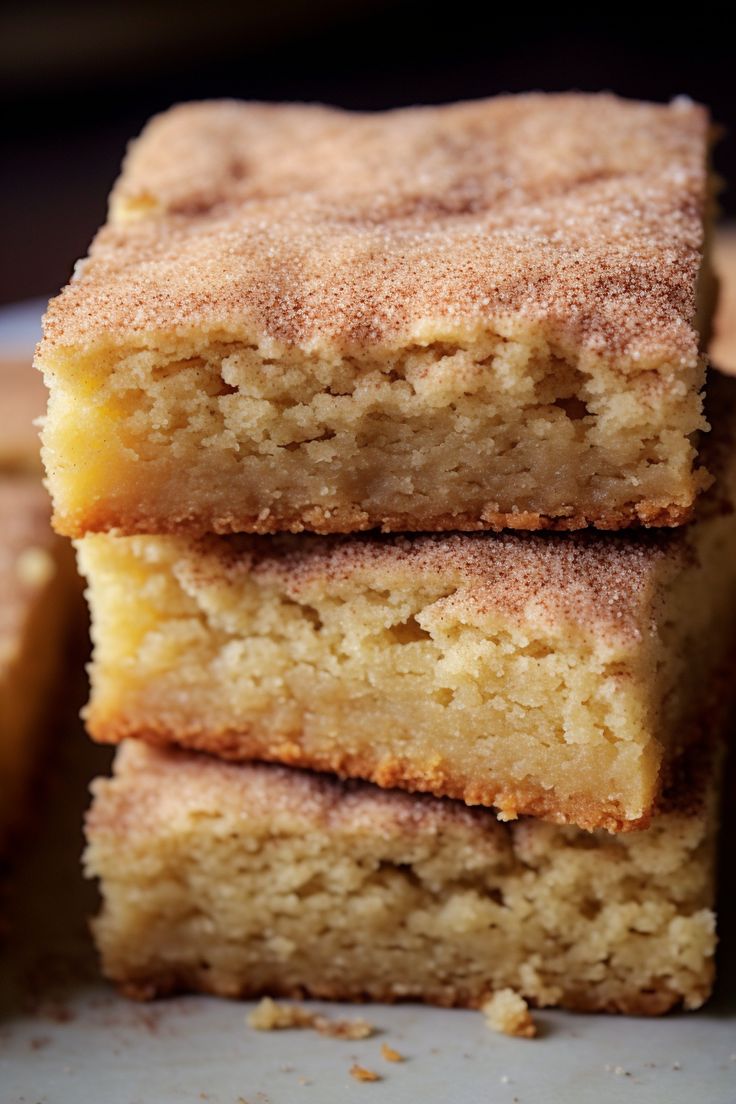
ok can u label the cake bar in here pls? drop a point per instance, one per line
(544, 675)
(479, 316)
(36, 572)
(247, 879)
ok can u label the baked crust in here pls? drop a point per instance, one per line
(347, 520)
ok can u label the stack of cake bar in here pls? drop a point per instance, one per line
(318, 381)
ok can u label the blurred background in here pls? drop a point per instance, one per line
(79, 78)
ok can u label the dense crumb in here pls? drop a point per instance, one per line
(36, 572)
(508, 1013)
(389, 1054)
(272, 1016)
(360, 1073)
(304, 886)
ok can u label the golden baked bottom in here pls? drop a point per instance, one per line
(242, 879)
(36, 570)
(542, 674)
(476, 316)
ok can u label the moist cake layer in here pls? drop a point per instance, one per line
(476, 316)
(546, 675)
(35, 580)
(249, 879)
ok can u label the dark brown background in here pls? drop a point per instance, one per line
(77, 79)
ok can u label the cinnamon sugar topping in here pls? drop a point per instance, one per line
(580, 215)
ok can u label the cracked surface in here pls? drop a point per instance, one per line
(244, 879)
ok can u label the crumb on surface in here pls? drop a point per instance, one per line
(389, 1054)
(271, 1015)
(360, 1073)
(507, 1012)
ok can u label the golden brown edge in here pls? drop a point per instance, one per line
(353, 520)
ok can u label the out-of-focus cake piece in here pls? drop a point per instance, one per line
(543, 675)
(723, 347)
(36, 572)
(22, 401)
(476, 316)
(247, 879)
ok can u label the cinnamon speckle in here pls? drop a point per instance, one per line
(578, 214)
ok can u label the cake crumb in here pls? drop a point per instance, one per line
(389, 1054)
(507, 1012)
(360, 1073)
(269, 1015)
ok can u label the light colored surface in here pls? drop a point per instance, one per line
(76, 1043)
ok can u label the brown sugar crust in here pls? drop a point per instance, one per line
(576, 216)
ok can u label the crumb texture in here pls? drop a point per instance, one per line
(240, 880)
(508, 1013)
(271, 1015)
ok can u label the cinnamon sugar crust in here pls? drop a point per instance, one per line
(307, 224)
(184, 844)
(400, 320)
